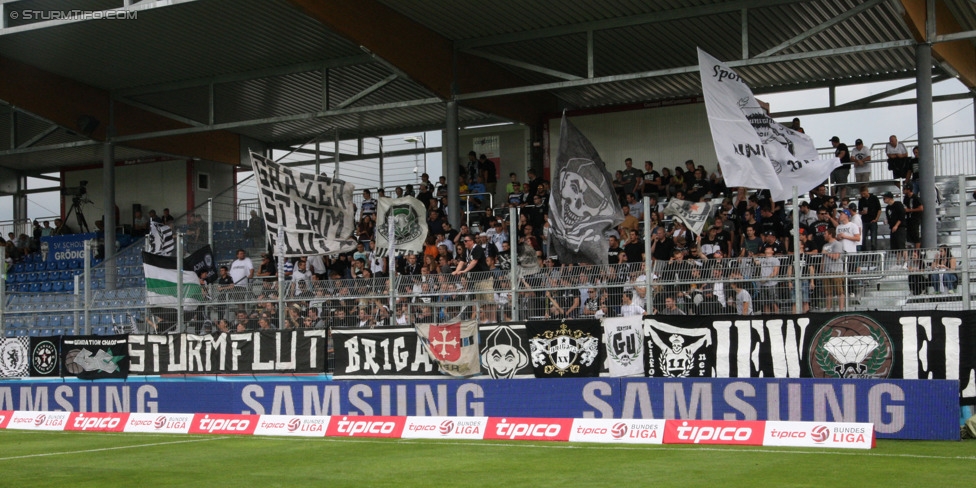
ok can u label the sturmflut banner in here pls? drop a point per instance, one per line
(408, 217)
(269, 352)
(754, 150)
(315, 212)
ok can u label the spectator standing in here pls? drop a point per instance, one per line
(840, 174)
(632, 178)
(897, 157)
(861, 157)
(913, 216)
(833, 267)
(895, 215)
(870, 209)
(488, 173)
(242, 270)
(651, 183)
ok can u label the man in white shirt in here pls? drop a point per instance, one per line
(861, 157)
(242, 270)
(895, 149)
(897, 158)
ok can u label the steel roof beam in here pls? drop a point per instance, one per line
(820, 28)
(651, 18)
(883, 104)
(359, 96)
(534, 67)
(245, 75)
(44, 133)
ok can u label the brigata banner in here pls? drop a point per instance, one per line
(899, 409)
(381, 353)
(288, 351)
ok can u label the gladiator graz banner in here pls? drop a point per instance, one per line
(564, 349)
(871, 345)
(292, 351)
(95, 357)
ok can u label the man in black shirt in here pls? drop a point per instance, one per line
(614, 251)
(652, 180)
(913, 216)
(895, 214)
(870, 215)
(839, 175)
(475, 261)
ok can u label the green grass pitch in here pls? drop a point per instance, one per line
(79, 459)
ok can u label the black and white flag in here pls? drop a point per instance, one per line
(202, 261)
(505, 351)
(624, 340)
(754, 150)
(161, 242)
(315, 212)
(15, 357)
(565, 349)
(582, 205)
(694, 214)
(408, 217)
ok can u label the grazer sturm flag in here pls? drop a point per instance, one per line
(161, 240)
(754, 150)
(582, 205)
(624, 340)
(454, 346)
(316, 213)
(694, 214)
(408, 217)
(161, 277)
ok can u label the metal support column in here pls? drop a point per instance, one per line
(88, 284)
(648, 270)
(926, 147)
(3, 286)
(797, 268)
(451, 165)
(108, 220)
(513, 252)
(210, 223)
(964, 244)
(179, 283)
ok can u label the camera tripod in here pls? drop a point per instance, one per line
(76, 203)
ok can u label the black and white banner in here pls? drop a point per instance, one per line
(408, 216)
(95, 357)
(505, 351)
(315, 212)
(202, 261)
(161, 241)
(381, 353)
(874, 345)
(45, 356)
(565, 349)
(583, 205)
(694, 214)
(15, 357)
(624, 340)
(268, 352)
(754, 150)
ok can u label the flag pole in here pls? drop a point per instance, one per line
(391, 265)
(281, 275)
(179, 282)
(648, 301)
(797, 268)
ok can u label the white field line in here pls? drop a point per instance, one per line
(46, 454)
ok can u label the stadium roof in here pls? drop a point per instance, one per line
(204, 78)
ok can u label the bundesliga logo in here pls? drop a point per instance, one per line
(446, 427)
(820, 433)
(619, 430)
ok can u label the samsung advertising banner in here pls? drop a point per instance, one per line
(899, 409)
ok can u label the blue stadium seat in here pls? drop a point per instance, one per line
(51, 265)
(21, 277)
(42, 321)
(93, 318)
(67, 321)
(34, 332)
(75, 264)
(35, 287)
(54, 321)
(46, 332)
(106, 319)
(69, 286)
(20, 268)
(58, 287)
(10, 333)
(62, 264)
(31, 277)
(47, 286)
(28, 267)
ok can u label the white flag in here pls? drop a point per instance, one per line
(693, 214)
(409, 219)
(624, 339)
(754, 150)
(454, 346)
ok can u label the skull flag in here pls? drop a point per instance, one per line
(582, 204)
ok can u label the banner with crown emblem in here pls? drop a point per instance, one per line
(566, 349)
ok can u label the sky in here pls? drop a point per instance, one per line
(954, 118)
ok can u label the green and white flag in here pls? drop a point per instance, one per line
(161, 275)
(408, 217)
